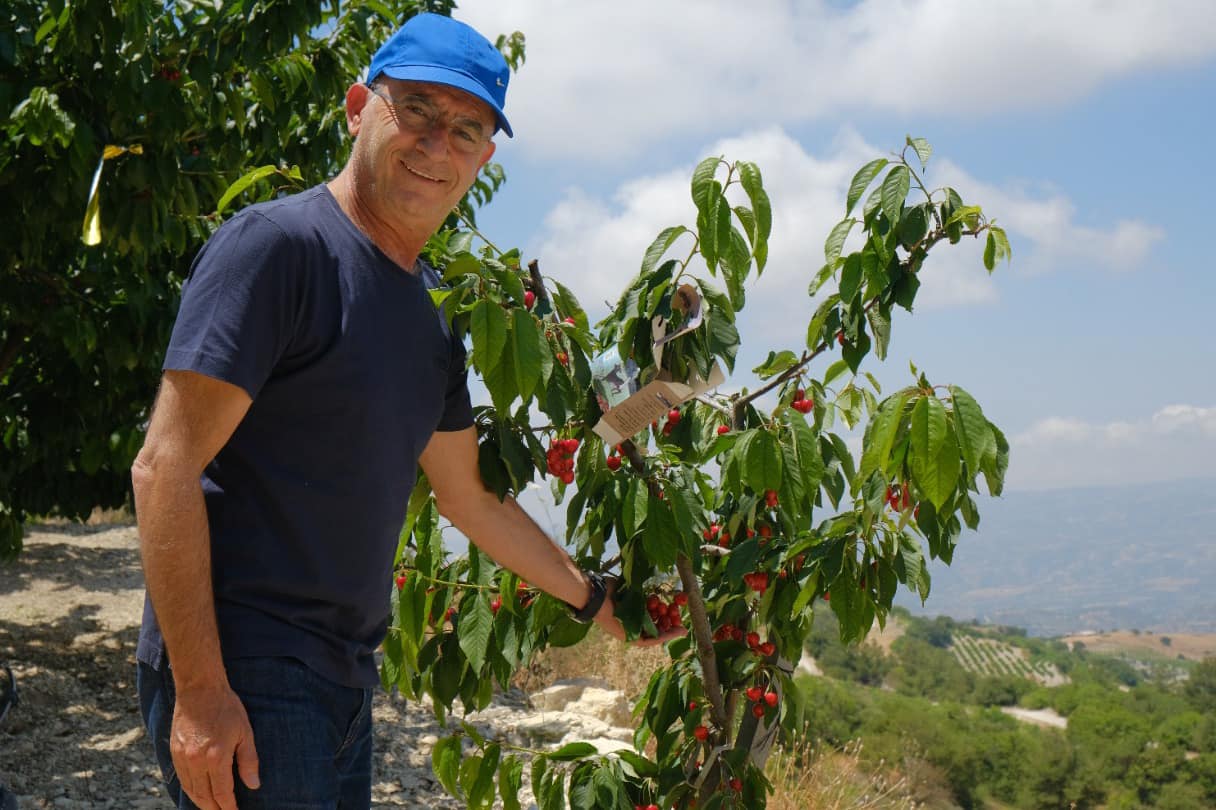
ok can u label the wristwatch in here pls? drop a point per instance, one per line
(599, 591)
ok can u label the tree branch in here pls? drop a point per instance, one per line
(697, 614)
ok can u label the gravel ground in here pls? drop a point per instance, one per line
(69, 621)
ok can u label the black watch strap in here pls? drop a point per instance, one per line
(599, 591)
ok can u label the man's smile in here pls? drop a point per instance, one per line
(421, 174)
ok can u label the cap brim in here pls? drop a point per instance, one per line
(437, 74)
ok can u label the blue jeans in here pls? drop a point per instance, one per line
(313, 736)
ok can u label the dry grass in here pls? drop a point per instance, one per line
(813, 777)
(623, 667)
(1192, 646)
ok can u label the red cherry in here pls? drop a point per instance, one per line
(771, 699)
(767, 648)
(653, 602)
(692, 705)
(667, 428)
(750, 534)
(496, 604)
(766, 531)
(770, 497)
(652, 807)
(701, 733)
(529, 298)
(673, 416)
(736, 633)
(755, 693)
(724, 540)
(563, 358)
(840, 338)
(680, 599)
(827, 596)
(569, 320)
(567, 478)
(753, 640)
(758, 709)
(723, 430)
(614, 463)
(736, 784)
(401, 580)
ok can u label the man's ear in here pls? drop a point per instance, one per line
(489, 153)
(357, 96)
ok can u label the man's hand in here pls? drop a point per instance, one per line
(610, 624)
(210, 729)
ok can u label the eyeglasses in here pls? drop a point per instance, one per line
(418, 115)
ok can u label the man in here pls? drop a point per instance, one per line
(307, 376)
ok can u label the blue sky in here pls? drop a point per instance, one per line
(1083, 127)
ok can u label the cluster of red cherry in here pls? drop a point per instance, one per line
(169, 74)
(761, 700)
(560, 458)
(801, 403)
(673, 419)
(757, 581)
(666, 615)
(899, 498)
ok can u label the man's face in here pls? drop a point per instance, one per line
(418, 148)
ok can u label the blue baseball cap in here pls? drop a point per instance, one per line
(438, 49)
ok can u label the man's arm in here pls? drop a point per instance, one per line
(502, 529)
(194, 416)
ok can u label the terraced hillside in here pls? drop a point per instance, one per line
(988, 656)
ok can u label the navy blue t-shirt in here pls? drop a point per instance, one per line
(351, 369)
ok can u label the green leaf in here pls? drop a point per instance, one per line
(922, 147)
(510, 777)
(702, 182)
(526, 348)
(659, 246)
(753, 184)
(895, 191)
(990, 252)
(861, 182)
(835, 241)
(1003, 251)
(633, 507)
(850, 277)
(776, 363)
(476, 626)
(661, 537)
(445, 762)
(934, 449)
(482, 793)
(488, 325)
(242, 183)
(880, 326)
(572, 751)
(974, 434)
(880, 435)
(762, 466)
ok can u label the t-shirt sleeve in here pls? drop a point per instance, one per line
(457, 404)
(237, 308)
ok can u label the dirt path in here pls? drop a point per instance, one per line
(69, 621)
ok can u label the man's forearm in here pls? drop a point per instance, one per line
(176, 549)
(512, 539)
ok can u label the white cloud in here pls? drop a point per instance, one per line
(1177, 441)
(595, 244)
(606, 79)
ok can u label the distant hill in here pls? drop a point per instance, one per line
(1059, 562)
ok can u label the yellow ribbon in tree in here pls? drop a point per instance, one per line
(91, 232)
